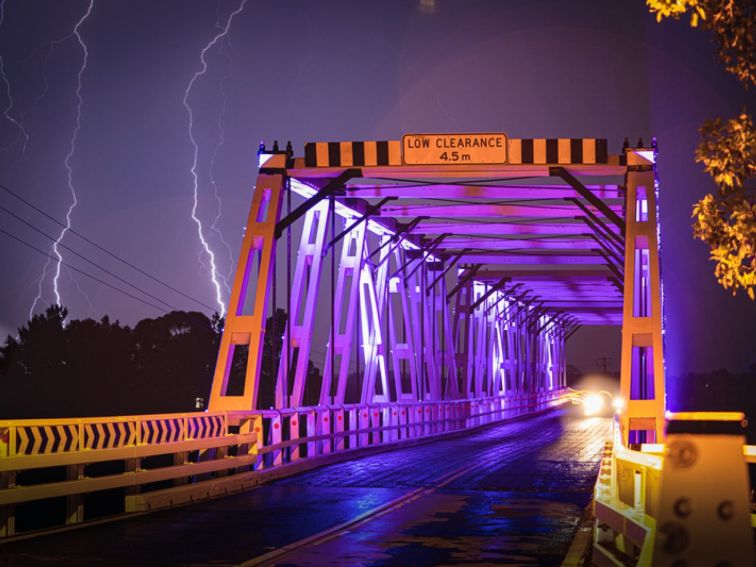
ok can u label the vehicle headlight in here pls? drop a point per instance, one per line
(593, 404)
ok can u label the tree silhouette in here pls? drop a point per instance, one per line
(87, 367)
(54, 368)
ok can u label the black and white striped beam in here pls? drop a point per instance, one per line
(521, 151)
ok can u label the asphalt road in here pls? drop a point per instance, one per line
(509, 494)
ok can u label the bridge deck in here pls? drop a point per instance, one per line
(512, 493)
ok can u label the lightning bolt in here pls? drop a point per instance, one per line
(48, 46)
(214, 275)
(211, 171)
(9, 95)
(69, 168)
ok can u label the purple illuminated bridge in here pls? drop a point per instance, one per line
(435, 281)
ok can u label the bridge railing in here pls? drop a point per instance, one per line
(53, 471)
(59, 461)
(626, 501)
(626, 495)
(289, 435)
(35, 437)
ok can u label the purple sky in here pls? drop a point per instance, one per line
(305, 71)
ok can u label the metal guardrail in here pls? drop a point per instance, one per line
(297, 433)
(44, 460)
(158, 461)
(624, 501)
(626, 498)
(35, 437)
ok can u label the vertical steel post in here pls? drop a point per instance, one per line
(642, 365)
(302, 301)
(346, 296)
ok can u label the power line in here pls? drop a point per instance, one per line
(108, 252)
(93, 263)
(82, 272)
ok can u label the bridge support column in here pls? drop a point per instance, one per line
(8, 512)
(245, 321)
(75, 503)
(642, 368)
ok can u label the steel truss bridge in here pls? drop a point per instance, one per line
(437, 297)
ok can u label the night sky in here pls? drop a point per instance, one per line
(346, 70)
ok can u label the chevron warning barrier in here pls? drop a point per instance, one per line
(37, 437)
(39, 440)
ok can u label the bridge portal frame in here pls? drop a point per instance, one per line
(606, 270)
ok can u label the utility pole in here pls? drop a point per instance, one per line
(603, 362)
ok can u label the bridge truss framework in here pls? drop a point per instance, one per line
(446, 282)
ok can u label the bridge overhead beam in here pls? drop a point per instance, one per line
(488, 210)
(595, 201)
(562, 227)
(480, 190)
(538, 273)
(548, 261)
(498, 243)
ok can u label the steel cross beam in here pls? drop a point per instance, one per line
(328, 190)
(532, 326)
(422, 257)
(572, 331)
(370, 211)
(560, 324)
(566, 324)
(504, 296)
(488, 210)
(464, 280)
(611, 265)
(600, 228)
(396, 237)
(617, 283)
(302, 306)
(609, 251)
(534, 313)
(455, 191)
(553, 320)
(523, 308)
(588, 195)
(507, 313)
(445, 271)
(533, 316)
(494, 288)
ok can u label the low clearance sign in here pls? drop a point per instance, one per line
(449, 149)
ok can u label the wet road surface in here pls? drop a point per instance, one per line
(510, 494)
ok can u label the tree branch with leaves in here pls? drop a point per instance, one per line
(733, 23)
(726, 220)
